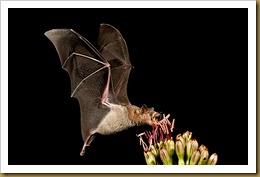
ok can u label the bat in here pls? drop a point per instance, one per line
(99, 79)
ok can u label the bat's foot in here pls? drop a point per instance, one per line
(87, 142)
(82, 151)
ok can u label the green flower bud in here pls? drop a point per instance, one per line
(195, 157)
(204, 156)
(180, 149)
(213, 159)
(191, 146)
(160, 144)
(169, 146)
(149, 158)
(155, 150)
(187, 136)
(202, 148)
(165, 157)
(188, 151)
(195, 145)
(180, 137)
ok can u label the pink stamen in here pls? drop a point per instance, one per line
(145, 147)
(172, 126)
(161, 134)
(146, 134)
(153, 134)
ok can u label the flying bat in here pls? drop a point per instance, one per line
(99, 79)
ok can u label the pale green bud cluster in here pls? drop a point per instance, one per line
(183, 151)
(160, 153)
(163, 150)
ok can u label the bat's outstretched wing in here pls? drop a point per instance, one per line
(114, 49)
(89, 75)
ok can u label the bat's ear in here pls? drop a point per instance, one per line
(145, 109)
(144, 106)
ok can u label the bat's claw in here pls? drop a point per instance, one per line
(82, 152)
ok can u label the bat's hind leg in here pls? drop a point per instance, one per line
(87, 142)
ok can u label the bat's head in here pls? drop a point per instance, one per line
(143, 115)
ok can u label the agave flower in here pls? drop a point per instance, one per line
(161, 149)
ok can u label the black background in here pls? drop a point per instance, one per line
(191, 63)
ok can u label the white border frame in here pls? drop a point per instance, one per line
(250, 168)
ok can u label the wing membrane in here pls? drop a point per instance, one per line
(89, 75)
(114, 49)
